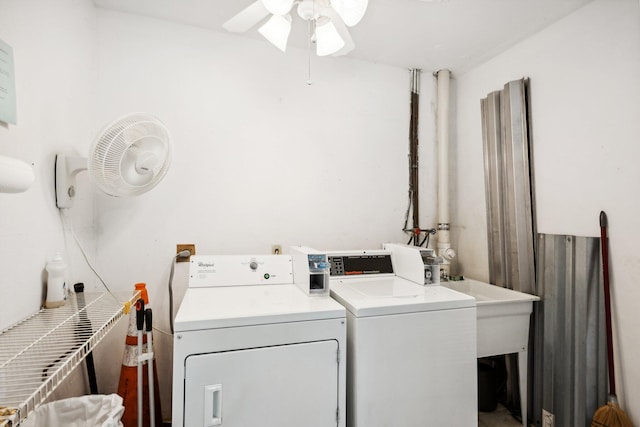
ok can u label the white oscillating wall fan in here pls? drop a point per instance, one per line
(327, 20)
(129, 157)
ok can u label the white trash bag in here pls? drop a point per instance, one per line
(84, 411)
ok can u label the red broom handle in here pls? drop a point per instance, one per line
(607, 300)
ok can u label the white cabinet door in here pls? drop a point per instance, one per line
(282, 386)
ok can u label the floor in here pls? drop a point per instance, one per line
(501, 417)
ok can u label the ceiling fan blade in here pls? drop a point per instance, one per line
(247, 18)
(351, 11)
(342, 30)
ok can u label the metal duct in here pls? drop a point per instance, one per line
(570, 360)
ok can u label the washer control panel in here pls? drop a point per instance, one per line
(360, 264)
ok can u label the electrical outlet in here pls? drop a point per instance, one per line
(190, 247)
(276, 249)
(548, 419)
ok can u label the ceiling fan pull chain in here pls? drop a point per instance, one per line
(309, 43)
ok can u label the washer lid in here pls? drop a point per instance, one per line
(380, 296)
(224, 307)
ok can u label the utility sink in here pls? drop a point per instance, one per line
(503, 316)
(503, 324)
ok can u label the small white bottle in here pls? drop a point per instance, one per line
(56, 285)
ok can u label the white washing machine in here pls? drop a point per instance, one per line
(252, 349)
(411, 348)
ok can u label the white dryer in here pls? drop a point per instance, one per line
(252, 349)
(411, 349)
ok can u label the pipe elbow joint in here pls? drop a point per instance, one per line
(448, 254)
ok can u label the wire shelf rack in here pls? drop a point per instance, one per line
(39, 352)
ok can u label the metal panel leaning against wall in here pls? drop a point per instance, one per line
(569, 353)
(510, 198)
(509, 187)
(570, 344)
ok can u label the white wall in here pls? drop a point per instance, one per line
(260, 157)
(54, 55)
(55, 81)
(585, 87)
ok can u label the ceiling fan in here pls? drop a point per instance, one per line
(327, 21)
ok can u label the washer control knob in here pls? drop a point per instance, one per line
(253, 265)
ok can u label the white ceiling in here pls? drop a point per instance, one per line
(427, 34)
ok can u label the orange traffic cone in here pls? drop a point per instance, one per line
(128, 385)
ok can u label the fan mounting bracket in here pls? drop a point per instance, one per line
(67, 167)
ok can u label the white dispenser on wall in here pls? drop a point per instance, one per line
(56, 283)
(16, 176)
(415, 263)
(310, 270)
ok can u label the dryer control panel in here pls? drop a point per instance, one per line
(239, 270)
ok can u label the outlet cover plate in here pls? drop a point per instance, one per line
(180, 248)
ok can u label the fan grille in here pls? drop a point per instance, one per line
(131, 155)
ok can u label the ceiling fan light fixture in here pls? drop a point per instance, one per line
(307, 10)
(278, 7)
(326, 21)
(328, 40)
(351, 11)
(276, 30)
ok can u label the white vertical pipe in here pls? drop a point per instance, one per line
(442, 129)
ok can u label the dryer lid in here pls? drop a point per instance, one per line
(224, 307)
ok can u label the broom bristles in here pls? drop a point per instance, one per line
(611, 415)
